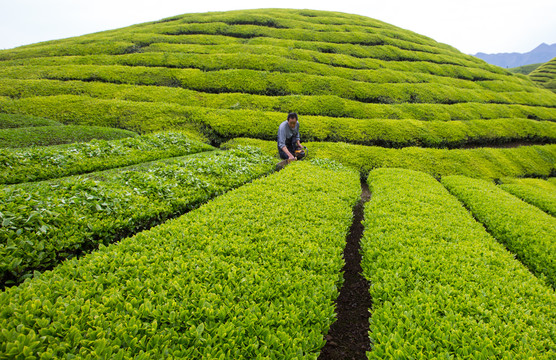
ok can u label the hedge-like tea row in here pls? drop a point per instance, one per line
(488, 163)
(545, 75)
(227, 123)
(40, 163)
(252, 274)
(526, 230)
(47, 222)
(441, 286)
(383, 132)
(56, 135)
(538, 192)
(268, 62)
(276, 83)
(307, 52)
(321, 105)
(10, 121)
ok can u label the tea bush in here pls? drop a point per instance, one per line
(524, 229)
(45, 223)
(487, 163)
(56, 135)
(441, 286)
(538, 192)
(10, 121)
(238, 278)
(40, 163)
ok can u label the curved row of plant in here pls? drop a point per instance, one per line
(40, 163)
(223, 124)
(10, 121)
(545, 75)
(488, 163)
(276, 83)
(57, 135)
(365, 32)
(238, 278)
(526, 230)
(227, 124)
(537, 192)
(208, 61)
(320, 105)
(44, 223)
(442, 287)
(296, 50)
(370, 43)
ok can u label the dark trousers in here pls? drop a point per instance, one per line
(291, 148)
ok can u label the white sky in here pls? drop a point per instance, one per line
(471, 26)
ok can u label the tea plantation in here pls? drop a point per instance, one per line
(142, 216)
(545, 75)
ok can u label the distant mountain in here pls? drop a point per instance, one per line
(540, 54)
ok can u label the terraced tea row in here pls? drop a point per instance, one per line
(537, 192)
(441, 285)
(57, 135)
(237, 278)
(32, 164)
(244, 57)
(44, 223)
(527, 231)
(150, 115)
(488, 163)
(11, 121)
(278, 83)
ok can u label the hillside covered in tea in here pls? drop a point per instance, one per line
(236, 74)
(545, 75)
(143, 217)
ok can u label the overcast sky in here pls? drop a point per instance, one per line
(471, 26)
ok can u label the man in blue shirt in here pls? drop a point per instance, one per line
(288, 137)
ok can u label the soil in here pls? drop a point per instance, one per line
(348, 337)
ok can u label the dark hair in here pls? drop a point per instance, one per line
(292, 115)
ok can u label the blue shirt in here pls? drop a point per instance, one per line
(285, 134)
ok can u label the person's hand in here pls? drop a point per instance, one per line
(291, 157)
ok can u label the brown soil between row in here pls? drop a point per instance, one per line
(348, 337)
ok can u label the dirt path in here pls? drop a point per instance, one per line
(348, 337)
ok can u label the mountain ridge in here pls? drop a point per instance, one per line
(540, 54)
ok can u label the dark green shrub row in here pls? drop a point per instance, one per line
(538, 192)
(10, 121)
(238, 278)
(526, 230)
(56, 135)
(442, 287)
(323, 105)
(40, 163)
(275, 83)
(488, 163)
(46, 222)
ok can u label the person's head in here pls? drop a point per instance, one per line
(292, 120)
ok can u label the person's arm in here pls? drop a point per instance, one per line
(297, 138)
(290, 155)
